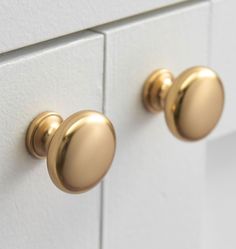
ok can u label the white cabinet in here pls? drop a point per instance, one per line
(160, 192)
(63, 76)
(153, 197)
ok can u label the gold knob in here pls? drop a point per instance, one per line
(79, 150)
(192, 102)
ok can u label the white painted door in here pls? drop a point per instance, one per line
(63, 76)
(154, 194)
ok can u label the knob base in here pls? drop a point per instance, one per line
(40, 133)
(156, 89)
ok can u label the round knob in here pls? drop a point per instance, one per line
(79, 150)
(192, 102)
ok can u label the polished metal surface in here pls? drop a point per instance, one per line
(79, 150)
(193, 102)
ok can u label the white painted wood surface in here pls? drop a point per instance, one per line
(220, 193)
(64, 76)
(221, 156)
(223, 53)
(27, 22)
(153, 197)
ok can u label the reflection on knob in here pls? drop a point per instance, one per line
(193, 102)
(79, 150)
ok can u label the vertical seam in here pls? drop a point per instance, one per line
(102, 188)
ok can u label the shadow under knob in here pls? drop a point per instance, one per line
(193, 102)
(79, 150)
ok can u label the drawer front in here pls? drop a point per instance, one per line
(29, 22)
(63, 76)
(153, 196)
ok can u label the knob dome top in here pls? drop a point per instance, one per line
(81, 151)
(194, 103)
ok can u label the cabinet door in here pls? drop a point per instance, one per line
(221, 156)
(63, 76)
(153, 197)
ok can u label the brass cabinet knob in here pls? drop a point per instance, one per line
(192, 102)
(79, 150)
